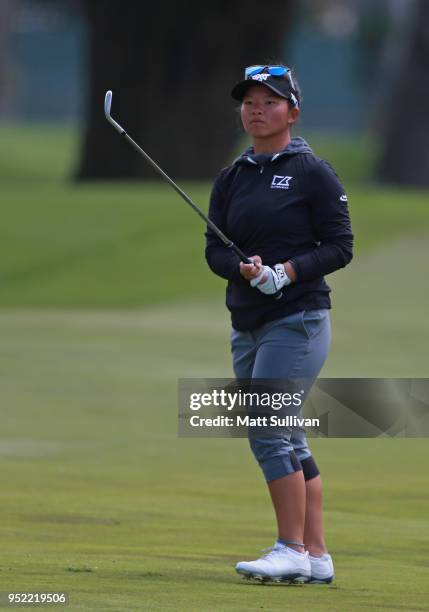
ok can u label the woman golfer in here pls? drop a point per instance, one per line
(287, 209)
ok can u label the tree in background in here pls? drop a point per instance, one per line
(6, 70)
(171, 66)
(405, 151)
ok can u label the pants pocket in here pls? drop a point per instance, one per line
(238, 339)
(313, 321)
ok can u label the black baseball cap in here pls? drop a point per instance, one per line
(280, 85)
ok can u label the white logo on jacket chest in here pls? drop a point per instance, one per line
(280, 182)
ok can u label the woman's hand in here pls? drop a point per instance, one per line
(249, 271)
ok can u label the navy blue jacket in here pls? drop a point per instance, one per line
(287, 206)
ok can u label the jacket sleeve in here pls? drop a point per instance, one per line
(331, 225)
(221, 260)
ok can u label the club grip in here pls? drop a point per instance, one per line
(246, 260)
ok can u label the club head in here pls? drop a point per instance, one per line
(107, 104)
(107, 107)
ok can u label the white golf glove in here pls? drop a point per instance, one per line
(276, 279)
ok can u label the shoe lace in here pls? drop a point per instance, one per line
(270, 552)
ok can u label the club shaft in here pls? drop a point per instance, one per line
(227, 242)
(187, 199)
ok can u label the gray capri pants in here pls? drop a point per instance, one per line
(295, 346)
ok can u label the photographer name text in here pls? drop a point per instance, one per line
(247, 421)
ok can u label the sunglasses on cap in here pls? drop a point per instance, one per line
(276, 71)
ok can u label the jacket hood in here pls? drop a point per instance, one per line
(296, 145)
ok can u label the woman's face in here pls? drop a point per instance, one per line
(265, 114)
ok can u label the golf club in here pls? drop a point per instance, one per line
(227, 242)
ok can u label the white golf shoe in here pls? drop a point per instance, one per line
(280, 564)
(322, 569)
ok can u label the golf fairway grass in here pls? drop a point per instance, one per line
(102, 500)
(99, 497)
